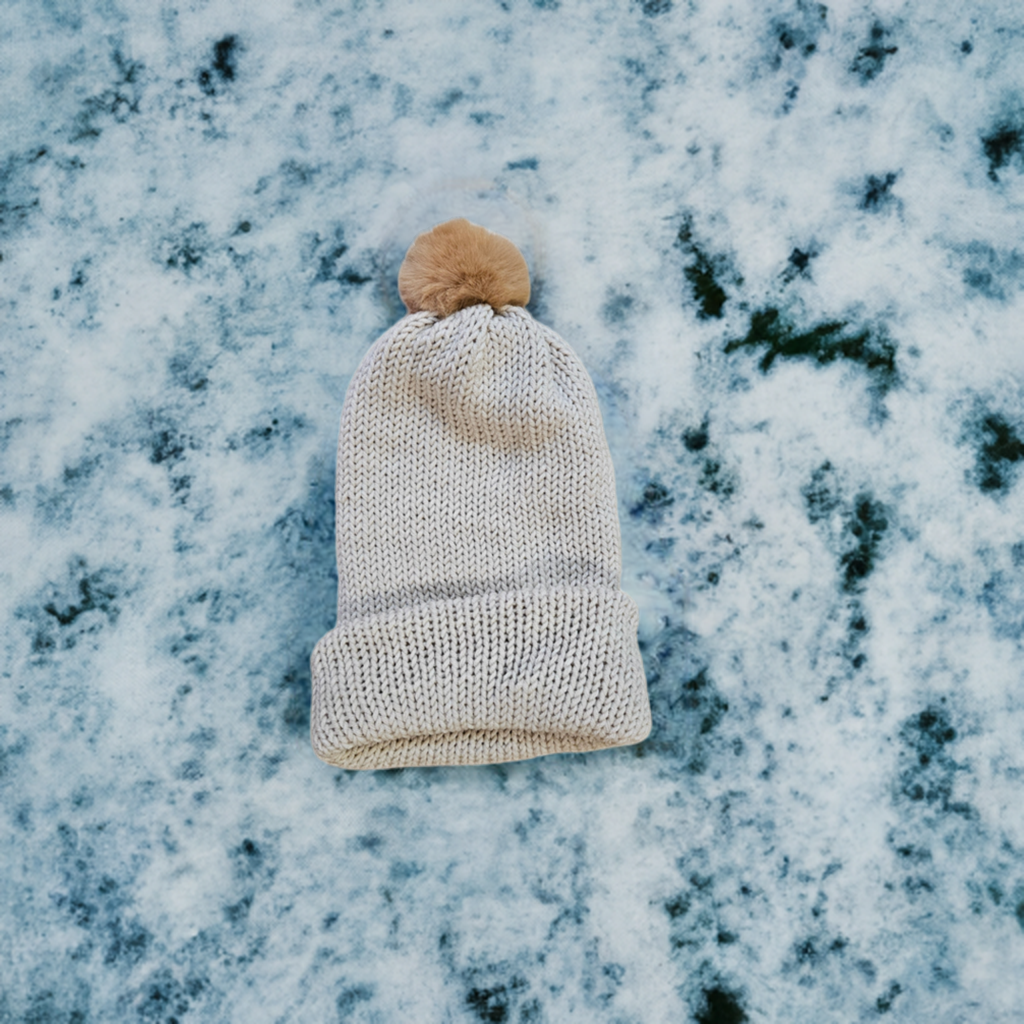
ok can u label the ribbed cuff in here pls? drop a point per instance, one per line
(480, 680)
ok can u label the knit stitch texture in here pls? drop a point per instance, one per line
(480, 615)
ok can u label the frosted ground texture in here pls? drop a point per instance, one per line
(786, 239)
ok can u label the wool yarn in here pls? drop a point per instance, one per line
(480, 617)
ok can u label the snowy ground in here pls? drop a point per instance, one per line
(787, 242)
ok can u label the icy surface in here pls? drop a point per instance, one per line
(786, 239)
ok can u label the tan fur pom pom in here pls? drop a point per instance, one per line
(458, 264)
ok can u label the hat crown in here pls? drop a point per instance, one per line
(491, 377)
(471, 459)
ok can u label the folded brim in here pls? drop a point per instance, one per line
(481, 680)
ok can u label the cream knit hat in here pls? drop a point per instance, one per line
(479, 612)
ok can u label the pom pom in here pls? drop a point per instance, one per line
(458, 264)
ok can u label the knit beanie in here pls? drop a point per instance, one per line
(480, 615)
